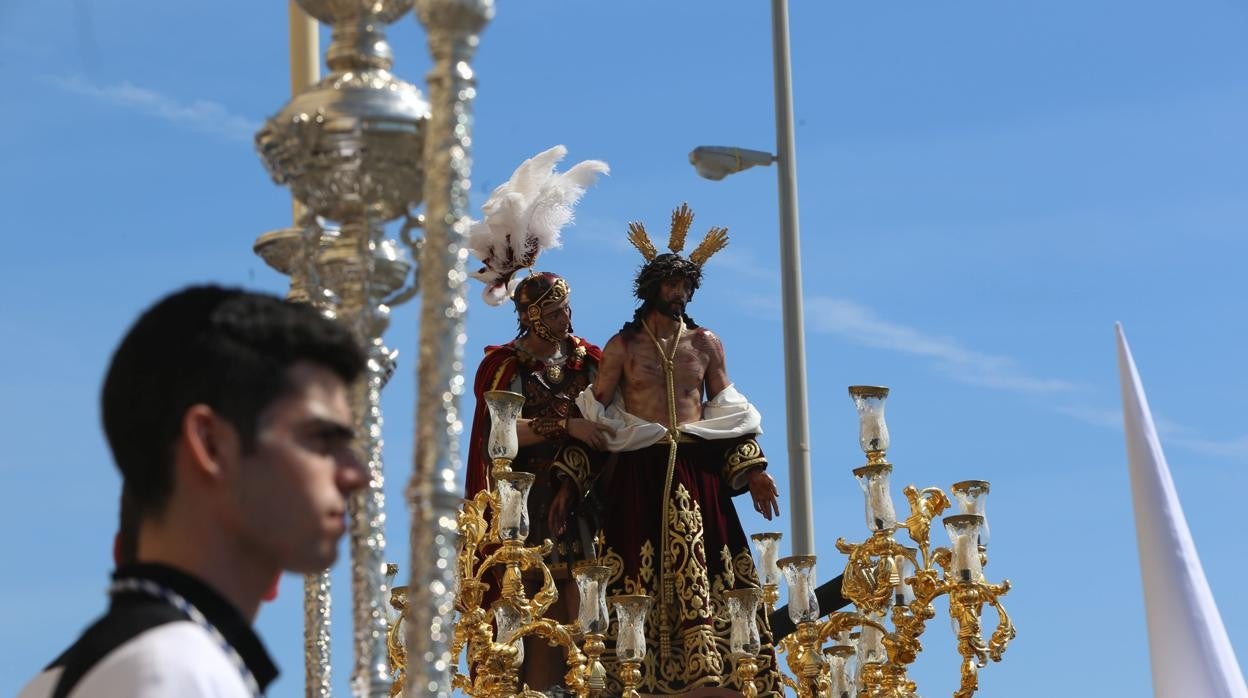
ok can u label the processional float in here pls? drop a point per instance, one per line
(361, 149)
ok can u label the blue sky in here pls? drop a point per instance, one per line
(985, 189)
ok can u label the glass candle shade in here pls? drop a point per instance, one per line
(874, 481)
(839, 670)
(742, 606)
(591, 584)
(630, 614)
(903, 593)
(768, 547)
(963, 532)
(799, 573)
(971, 496)
(507, 620)
(872, 430)
(871, 645)
(513, 497)
(504, 409)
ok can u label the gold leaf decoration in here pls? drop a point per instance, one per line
(716, 239)
(641, 240)
(682, 218)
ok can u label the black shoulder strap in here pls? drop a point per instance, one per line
(125, 621)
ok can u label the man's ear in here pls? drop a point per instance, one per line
(207, 439)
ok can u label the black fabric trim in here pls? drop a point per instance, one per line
(126, 619)
(131, 614)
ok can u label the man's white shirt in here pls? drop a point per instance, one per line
(175, 659)
(166, 633)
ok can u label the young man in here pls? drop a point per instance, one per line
(687, 445)
(227, 414)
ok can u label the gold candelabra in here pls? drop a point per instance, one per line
(889, 584)
(860, 654)
(494, 556)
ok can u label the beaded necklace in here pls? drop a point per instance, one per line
(158, 591)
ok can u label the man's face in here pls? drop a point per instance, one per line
(291, 490)
(555, 322)
(674, 295)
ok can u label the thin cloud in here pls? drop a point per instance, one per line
(1172, 433)
(860, 324)
(1226, 448)
(204, 116)
(1095, 416)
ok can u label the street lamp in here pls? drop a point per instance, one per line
(717, 162)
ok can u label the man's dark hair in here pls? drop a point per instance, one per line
(649, 283)
(126, 546)
(226, 348)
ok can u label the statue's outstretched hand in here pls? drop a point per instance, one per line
(764, 493)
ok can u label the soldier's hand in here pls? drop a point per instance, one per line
(764, 493)
(591, 433)
(561, 507)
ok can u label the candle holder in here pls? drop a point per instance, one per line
(509, 619)
(872, 429)
(768, 547)
(963, 532)
(881, 515)
(841, 684)
(503, 444)
(593, 617)
(799, 573)
(513, 498)
(744, 640)
(802, 647)
(630, 643)
(972, 495)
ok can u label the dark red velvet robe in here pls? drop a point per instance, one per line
(688, 636)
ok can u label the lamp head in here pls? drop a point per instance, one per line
(716, 162)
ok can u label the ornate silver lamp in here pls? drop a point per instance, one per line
(350, 148)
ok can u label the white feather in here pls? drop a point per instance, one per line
(524, 217)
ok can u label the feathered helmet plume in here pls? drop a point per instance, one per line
(523, 218)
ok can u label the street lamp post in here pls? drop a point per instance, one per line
(714, 162)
